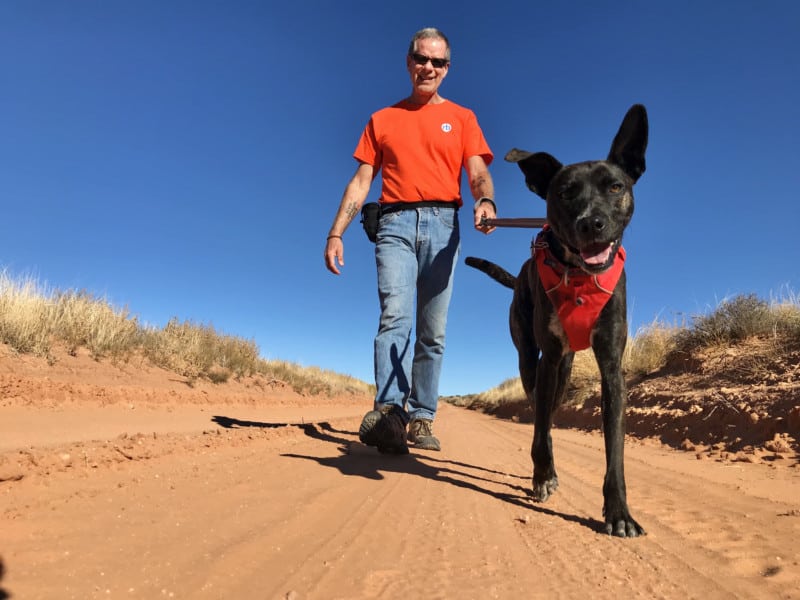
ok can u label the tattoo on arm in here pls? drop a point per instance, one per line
(482, 186)
(351, 211)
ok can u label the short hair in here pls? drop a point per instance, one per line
(429, 33)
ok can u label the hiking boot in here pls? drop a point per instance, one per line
(384, 428)
(420, 433)
(367, 433)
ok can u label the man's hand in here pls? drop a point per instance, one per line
(484, 209)
(334, 253)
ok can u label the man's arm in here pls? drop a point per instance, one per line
(482, 188)
(352, 200)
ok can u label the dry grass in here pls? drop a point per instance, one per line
(313, 380)
(647, 351)
(34, 320)
(657, 345)
(82, 320)
(732, 321)
(510, 389)
(195, 350)
(26, 316)
(585, 378)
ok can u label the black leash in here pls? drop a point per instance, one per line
(522, 222)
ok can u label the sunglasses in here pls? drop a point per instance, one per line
(421, 59)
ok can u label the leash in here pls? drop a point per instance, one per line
(521, 222)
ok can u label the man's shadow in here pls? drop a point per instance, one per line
(321, 431)
(356, 460)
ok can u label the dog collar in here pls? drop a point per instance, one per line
(577, 296)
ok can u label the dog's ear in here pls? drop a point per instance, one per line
(539, 169)
(629, 145)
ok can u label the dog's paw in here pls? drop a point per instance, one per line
(542, 490)
(624, 526)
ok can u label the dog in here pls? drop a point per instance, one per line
(571, 295)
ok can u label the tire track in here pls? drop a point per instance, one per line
(313, 514)
(705, 533)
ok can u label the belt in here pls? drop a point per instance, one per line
(395, 206)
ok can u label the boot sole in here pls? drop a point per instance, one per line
(427, 444)
(367, 433)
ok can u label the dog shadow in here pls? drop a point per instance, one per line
(4, 595)
(356, 460)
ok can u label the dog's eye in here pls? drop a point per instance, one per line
(568, 191)
(616, 188)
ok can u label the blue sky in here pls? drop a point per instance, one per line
(186, 158)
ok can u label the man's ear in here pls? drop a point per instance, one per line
(539, 169)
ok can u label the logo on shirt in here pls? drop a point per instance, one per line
(447, 128)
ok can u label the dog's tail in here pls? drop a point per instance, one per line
(499, 274)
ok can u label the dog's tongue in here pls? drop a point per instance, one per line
(598, 258)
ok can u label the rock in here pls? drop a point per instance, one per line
(10, 473)
(778, 445)
(744, 457)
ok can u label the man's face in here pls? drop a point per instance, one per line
(426, 77)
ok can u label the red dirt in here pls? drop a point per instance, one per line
(124, 482)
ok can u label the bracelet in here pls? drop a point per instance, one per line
(482, 200)
(334, 236)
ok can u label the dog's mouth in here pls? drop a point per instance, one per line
(598, 257)
(592, 257)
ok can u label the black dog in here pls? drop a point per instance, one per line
(571, 294)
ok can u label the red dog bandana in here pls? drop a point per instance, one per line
(577, 296)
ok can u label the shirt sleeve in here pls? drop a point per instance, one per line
(475, 143)
(368, 151)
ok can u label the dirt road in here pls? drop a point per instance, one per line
(270, 500)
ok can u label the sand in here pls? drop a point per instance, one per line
(126, 482)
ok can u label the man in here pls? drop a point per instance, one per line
(421, 144)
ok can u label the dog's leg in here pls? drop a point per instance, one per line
(545, 478)
(528, 363)
(552, 377)
(537, 381)
(608, 343)
(541, 398)
(521, 329)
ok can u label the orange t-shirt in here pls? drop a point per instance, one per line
(421, 150)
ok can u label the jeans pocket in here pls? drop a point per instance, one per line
(387, 218)
(448, 217)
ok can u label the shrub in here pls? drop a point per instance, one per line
(732, 321)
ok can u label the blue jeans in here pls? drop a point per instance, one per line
(416, 253)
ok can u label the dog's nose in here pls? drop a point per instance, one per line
(591, 225)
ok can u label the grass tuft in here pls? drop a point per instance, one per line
(659, 345)
(33, 319)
